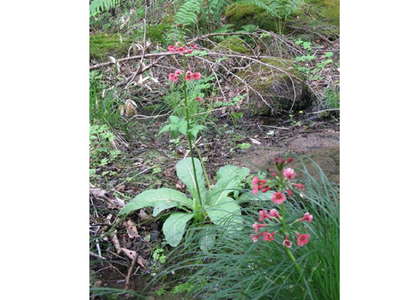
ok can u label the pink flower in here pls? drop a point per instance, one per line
(266, 189)
(188, 75)
(258, 184)
(173, 77)
(262, 215)
(274, 213)
(302, 239)
(287, 243)
(196, 76)
(180, 50)
(278, 197)
(199, 99)
(289, 160)
(289, 192)
(178, 72)
(254, 237)
(268, 236)
(187, 50)
(256, 226)
(289, 173)
(299, 186)
(171, 48)
(279, 160)
(307, 217)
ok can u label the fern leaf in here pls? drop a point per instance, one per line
(98, 6)
(188, 12)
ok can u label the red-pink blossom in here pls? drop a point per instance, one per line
(173, 77)
(289, 173)
(262, 215)
(178, 72)
(268, 236)
(299, 186)
(188, 75)
(171, 48)
(278, 197)
(302, 239)
(256, 226)
(289, 160)
(180, 50)
(307, 217)
(258, 184)
(274, 213)
(196, 76)
(199, 99)
(287, 243)
(289, 192)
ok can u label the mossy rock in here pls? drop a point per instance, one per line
(284, 90)
(240, 14)
(103, 45)
(234, 44)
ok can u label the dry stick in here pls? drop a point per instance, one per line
(127, 278)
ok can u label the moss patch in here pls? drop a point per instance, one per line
(240, 14)
(278, 88)
(103, 45)
(232, 43)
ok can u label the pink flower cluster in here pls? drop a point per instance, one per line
(281, 182)
(182, 49)
(174, 77)
(301, 238)
(271, 222)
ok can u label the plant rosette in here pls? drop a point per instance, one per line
(215, 205)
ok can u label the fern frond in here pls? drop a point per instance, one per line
(216, 7)
(187, 14)
(98, 6)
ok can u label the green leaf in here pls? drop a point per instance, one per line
(185, 172)
(227, 211)
(174, 227)
(228, 180)
(160, 199)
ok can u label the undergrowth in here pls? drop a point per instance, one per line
(237, 268)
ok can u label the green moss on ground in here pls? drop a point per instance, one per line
(103, 45)
(240, 14)
(276, 86)
(234, 44)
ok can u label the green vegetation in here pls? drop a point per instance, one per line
(103, 45)
(182, 95)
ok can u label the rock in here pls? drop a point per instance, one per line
(280, 85)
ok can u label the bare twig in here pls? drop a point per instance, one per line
(127, 278)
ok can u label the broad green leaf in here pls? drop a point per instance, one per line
(160, 199)
(227, 211)
(174, 227)
(184, 170)
(228, 180)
